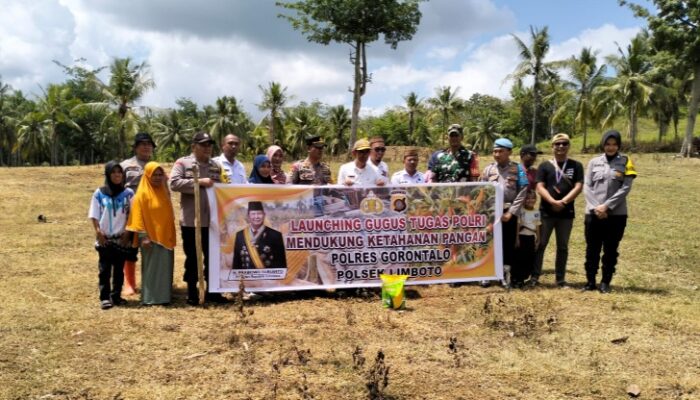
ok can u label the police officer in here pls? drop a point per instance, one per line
(257, 245)
(511, 177)
(312, 171)
(133, 170)
(182, 180)
(133, 167)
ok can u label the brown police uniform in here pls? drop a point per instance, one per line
(133, 171)
(182, 180)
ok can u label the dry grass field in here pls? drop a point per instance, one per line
(451, 343)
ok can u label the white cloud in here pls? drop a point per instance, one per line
(443, 53)
(602, 39)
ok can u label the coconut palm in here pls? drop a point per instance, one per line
(630, 91)
(413, 107)
(301, 122)
(33, 137)
(586, 75)
(339, 123)
(532, 64)
(227, 119)
(55, 107)
(173, 129)
(274, 99)
(446, 103)
(7, 122)
(127, 84)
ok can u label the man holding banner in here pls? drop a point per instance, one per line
(182, 180)
(256, 245)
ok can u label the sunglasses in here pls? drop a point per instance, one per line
(561, 144)
(379, 149)
(365, 151)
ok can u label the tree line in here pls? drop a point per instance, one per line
(85, 120)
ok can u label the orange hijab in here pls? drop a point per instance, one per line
(152, 210)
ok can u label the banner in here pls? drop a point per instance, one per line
(296, 237)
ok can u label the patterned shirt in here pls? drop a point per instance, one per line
(460, 167)
(306, 173)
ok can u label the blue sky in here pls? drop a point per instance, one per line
(211, 48)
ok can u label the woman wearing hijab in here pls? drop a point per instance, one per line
(109, 211)
(153, 220)
(262, 168)
(608, 181)
(276, 156)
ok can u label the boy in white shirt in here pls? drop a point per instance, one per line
(527, 241)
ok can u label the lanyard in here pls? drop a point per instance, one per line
(559, 172)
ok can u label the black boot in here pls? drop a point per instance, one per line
(590, 285)
(604, 287)
(192, 294)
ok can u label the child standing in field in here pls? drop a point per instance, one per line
(109, 211)
(527, 241)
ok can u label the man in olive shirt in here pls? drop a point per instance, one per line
(182, 180)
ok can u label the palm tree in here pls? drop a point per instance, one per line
(127, 84)
(446, 103)
(630, 91)
(7, 123)
(532, 64)
(339, 121)
(302, 121)
(226, 119)
(172, 129)
(586, 76)
(413, 106)
(54, 107)
(274, 99)
(33, 137)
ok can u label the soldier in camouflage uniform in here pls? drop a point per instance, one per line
(455, 163)
(312, 171)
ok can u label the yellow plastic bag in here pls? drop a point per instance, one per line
(393, 291)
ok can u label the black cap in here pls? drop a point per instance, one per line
(255, 206)
(143, 137)
(315, 141)
(202, 137)
(529, 149)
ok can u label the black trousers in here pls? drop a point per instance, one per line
(604, 234)
(188, 244)
(509, 232)
(524, 258)
(111, 267)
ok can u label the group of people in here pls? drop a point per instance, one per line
(133, 209)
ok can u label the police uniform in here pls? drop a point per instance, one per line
(608, 181)
(182, 180)
(306, 173)
(269, 246)
(513, 181)
(133, 170)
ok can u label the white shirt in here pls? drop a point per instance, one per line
(529, 219)
(366, 176)
(236, 171)
(402, 177)
(382, 169)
